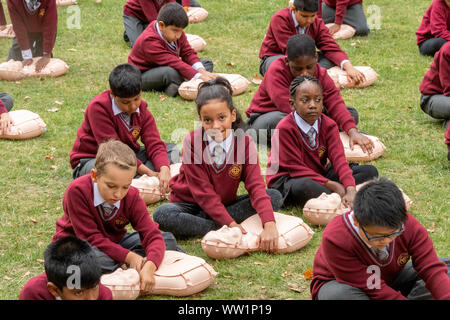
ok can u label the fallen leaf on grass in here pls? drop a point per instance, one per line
(54, 109)
(40, 261)
(50, 156)
(284, 274)
(162, 97)
(55, 167)
(257, 79)
(294, 287)
(258, 263)
(27, 98)
(26, 274)
(231, 64)
(7, 278)
(59, 102)
(431, 230)
(308, 274)
(33, 220)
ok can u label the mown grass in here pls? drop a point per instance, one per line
(32, 186)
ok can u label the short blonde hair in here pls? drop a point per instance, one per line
(115, 152)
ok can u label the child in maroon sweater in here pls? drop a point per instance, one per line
(216, 158)
(99, 206)
(270, 103)
(348, 12)
(447, 141)
(6, 104)
(137, 14)
(121, 113)
(72, 272)
(301, 146)
(435, 87)
(434, 30)
(34, 23)
(164, 56)
(302, 19)
(2, 17)
(364, 253)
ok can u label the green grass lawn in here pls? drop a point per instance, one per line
(32, 186)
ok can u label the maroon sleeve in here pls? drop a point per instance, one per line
(447, 137)
(50, 25)
(254, 184)
(187, 54)
(36, 289)
(336, 154)
(280, 29)
(326, 44)
(149, 9)
(151, 238)
(444, 70)
(154, 146)
(2, 107)
(2, 15)
(19, 26)
(199, 183)
(104, 293)
(438, 20)
(101, 124)
(341, 8)
(332, 100)
(277, 88)
(186, 3)
(77, 208)
(289, 157)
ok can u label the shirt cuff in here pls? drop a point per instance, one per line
(198, 65)
(343, 62)
(27, 54)
(197, 75)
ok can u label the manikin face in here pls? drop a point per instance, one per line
(217, 119)
(308, 101)
(114, 183)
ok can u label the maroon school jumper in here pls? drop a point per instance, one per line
(273, 94)
(83, 220)
(147, 10)
(2, 107)
(2, 15)
(437, 78)
(341, 7)
(435, 22)
(447, 137)
(100, 123)
(151, 51)
(292, 155)
(212, 188)
(36, 289)
(282, 27)
(44, 20)
(342, 256)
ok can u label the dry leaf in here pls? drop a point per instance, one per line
(284, 274)
(54, 109)
(162, 97)
(230, 64)
(40, 261)
(7, 278)
(431, 230)
(257, 79)
(59, 102)
(72, 49)
(33, 220)
(50, 156)
(26, 98)
(26, 274)
(55, 167)
(83, 110)
(308, 274)
(258, 263)
(294, 287)
(17, 82)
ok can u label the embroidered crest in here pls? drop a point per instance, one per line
(42, 12)
(235, 171)
(135, 133)
(121, 222)
(403, 259)
(321, 151)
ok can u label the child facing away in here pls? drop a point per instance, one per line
(434, 29)
(302, 19)
(98, 207)
(34, 23)
(435, 87)
(270, 103)
(71, 272)
(137, 14)
(121, 113)
(6, 104)
(301, 146)
(348, 12)
(164, 56)
(216, 158)
(365, 253)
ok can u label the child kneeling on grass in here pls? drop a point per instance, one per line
(6, 104)
(72, 272)
(365, 253)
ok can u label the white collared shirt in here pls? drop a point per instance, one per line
(225, 144)
(195, 66)
(356, 228)
(304, 126)
(98, 199)
(117, 110)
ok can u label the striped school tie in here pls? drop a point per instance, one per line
(218, 154)
(312, 137)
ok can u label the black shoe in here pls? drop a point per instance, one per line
(125, 37)
(172, 90)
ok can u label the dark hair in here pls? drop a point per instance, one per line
(67, 252)
(297, 81)
(125, 81)
(173, 14)
(300, 45)
(220, 89)
(380, 203)
(306, 5)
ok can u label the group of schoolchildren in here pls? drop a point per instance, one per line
(299, 112)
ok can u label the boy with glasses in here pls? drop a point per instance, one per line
(364, 253)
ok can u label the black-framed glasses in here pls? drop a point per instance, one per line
(390, 236)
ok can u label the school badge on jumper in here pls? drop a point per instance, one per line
(321, 151)
(403, 259)
(121, 222)
(135, 132)
(235, 171)
(42, 12)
